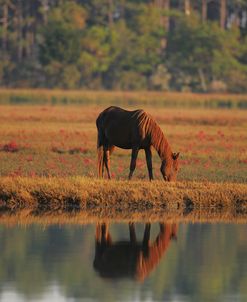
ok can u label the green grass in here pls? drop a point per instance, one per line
(124, 98)
(61, 141)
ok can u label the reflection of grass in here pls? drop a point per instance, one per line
(90, 199)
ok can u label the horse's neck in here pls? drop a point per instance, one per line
(155, 252)
(165, 152)
(161, 145)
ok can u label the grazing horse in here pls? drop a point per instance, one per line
(133, 130)
(131, 258)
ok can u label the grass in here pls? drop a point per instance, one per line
(61, 141)
(87, 199)
(144, 98)
(48, 164)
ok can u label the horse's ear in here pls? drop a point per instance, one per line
(175, 155)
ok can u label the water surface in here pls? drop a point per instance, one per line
(185, 262)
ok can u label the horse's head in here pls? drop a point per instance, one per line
(169, 168)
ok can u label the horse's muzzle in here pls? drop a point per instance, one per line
(165, 178)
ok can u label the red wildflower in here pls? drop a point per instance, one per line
(30, 158)
(11, 147)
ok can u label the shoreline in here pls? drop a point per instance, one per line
(92, 200)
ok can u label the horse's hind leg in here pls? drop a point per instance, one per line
(107, 161)
(100, 149)
(111, 149)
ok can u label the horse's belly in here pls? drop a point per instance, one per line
(119, 137)
(120, 143)
(125, 146)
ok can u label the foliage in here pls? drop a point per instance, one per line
(121, 44)
(208, 53)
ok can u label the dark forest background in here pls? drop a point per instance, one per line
(182, 45)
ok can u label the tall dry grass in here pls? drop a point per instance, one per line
(92, 199)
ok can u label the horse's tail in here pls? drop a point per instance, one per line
(100, 150)
(101, 142)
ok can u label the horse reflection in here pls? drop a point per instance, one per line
(131, 258)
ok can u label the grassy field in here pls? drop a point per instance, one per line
(144, 98)
(61, 141)
(43, 146)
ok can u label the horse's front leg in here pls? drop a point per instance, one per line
(134, 154)
(148, 154)
(105, 235)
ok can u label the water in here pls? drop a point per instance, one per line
(188, 262)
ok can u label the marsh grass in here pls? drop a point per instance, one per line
(89, 200)
(61, 141)
(169, 99)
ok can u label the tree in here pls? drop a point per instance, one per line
(204, 10)
(122, 44)
(187, 7)
(96, 55)
(147, 49)
(60, 48)
(164, 5)
(223, 12)
(60, 43)
(203, 52)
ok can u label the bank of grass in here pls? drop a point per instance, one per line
(93, 200)
(167, 99)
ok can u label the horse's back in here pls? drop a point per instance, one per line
(119, 126)
(119, 115)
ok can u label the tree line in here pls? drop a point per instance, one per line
(182, 45)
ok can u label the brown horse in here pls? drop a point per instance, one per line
(131, 258)
(133, 130)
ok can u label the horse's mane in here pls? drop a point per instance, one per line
(150, 128)
(156, 251)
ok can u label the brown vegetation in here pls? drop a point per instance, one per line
(93, 200)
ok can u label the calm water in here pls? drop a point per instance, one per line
(186, 262)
